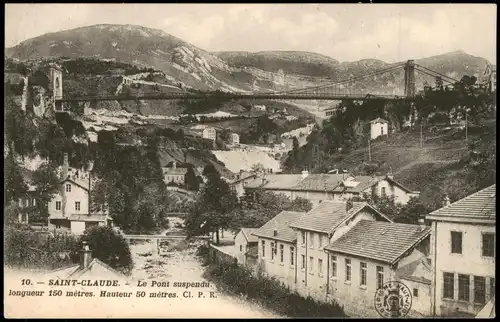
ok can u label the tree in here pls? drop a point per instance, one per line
(224, 135)
(210, 170)
(14, 183)
(384, 204)
(47, 184)
(190, 179)
(214, 208)
(412, 211)
(109, 247)
(300, 205)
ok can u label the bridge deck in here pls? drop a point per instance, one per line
(184, 96)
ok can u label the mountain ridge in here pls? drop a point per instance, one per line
(233, 71)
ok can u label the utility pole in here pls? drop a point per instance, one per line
(465, 126)
(369, 151)
(421, 134)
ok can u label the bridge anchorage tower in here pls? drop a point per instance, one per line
(410, 78)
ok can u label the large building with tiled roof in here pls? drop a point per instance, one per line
(463, 253)
(321, 226)
(372, 253)
(335, 187)
(277, 250)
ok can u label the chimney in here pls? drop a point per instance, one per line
(305, 173)
(446, 200)
(174, 165)
(390, 175)
(348, 205)
(65, 166)
(85, 256)
(421, 223)
(275, 232)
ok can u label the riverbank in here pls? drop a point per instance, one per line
(180, 264)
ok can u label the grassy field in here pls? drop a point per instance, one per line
(434, 169)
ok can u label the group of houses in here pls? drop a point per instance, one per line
(320, 187)
(210, 133)
(345, 251)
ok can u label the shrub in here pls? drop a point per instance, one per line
(268, 291)
(108, 246)
(26, 248)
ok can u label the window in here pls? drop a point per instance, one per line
(33, 202)
(488, 246)
(311, 264)
(241, 248)
(383, 191)
(415, 292)
(320, 240)
(456, 242)
(380, 277)
(320, 267)
(448, 289)
(334, 266)
(303, 237)
(362, 271)
(347, 269)
(292, 256)
(58, 226)
(282, 250)
(463, 287)
(68, 187)
(492, 287)
(77, 205)
(382, 130)
(311, 240)
(272, 250)
(26, 202)
(303, 262)
(263, 249)
(58, 205)
(479, 289)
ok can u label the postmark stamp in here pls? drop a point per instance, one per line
(393, 300)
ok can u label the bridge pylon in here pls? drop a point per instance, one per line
(410, 78)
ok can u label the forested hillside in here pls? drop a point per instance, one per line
(445, 163)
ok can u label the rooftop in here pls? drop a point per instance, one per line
(379, 240)
(248, 233)
(327, 216)
(176, 171)
(379, 120)
(417, 271)
(95, 266)
(479, 205)
(280, 223)
(276, 181)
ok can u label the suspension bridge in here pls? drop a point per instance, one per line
(348, 89)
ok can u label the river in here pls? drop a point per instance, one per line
(182, 265)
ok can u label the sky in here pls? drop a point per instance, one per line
(346, 32)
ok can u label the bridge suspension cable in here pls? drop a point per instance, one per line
(442, 75)
(431, 75)
(379, 72)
